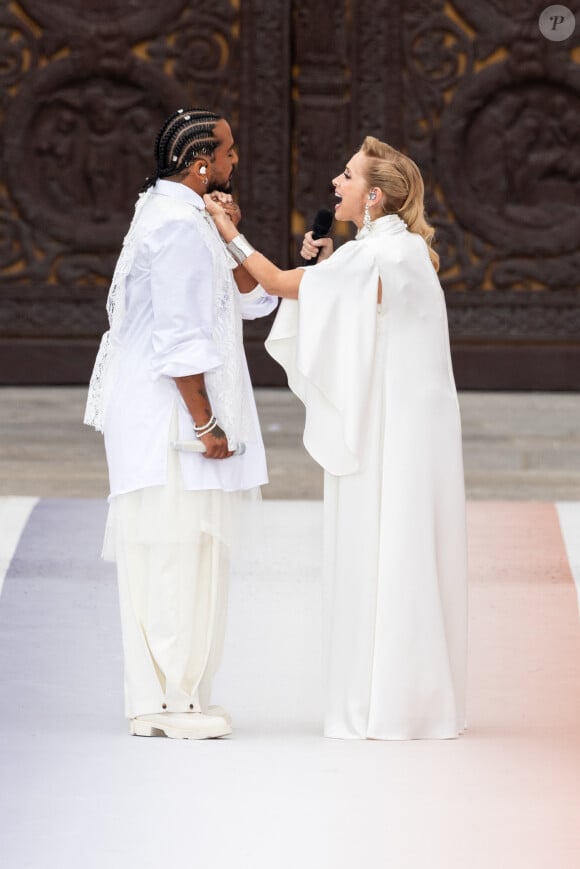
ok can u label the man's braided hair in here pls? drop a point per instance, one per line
(187, 134)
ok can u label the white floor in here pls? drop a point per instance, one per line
(77, 791)
(14, 514)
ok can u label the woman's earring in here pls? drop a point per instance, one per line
(367, 217)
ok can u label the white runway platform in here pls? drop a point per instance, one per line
(77, 792)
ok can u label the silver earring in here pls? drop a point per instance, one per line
(367, 217)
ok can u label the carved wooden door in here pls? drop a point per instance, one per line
(490, 110)
(487, 106)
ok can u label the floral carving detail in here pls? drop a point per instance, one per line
(18, 50)
(436, 51)
(201, 50)
(497, 144)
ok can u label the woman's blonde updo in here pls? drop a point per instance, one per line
(402, 185)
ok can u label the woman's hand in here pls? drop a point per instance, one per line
(310, 247)
(275, 281)
(224, 223)
(226, 203)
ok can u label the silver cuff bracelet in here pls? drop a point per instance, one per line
(240, 248)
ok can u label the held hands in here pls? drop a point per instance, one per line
(310, 247)
(221, 206)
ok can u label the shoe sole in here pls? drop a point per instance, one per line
(142, 728)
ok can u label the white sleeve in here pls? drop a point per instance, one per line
(257, 303)
(325, 341)
(182, 297)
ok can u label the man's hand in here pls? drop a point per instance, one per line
(194, 394)
(216, 444)
(310, 247)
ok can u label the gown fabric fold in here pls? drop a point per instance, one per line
(382, 418)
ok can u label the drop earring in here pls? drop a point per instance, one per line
(367, 217)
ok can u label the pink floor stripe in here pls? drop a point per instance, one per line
(516, 541)
(524, 629)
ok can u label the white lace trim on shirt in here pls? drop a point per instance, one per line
(225, 384)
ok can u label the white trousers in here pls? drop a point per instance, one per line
(172, 554)
(173, 600)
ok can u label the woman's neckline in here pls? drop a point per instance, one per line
(390, 223)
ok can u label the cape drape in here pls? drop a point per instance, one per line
(316, 341)
(382, 418)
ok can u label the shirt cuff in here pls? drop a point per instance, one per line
(257, 293)
(257, 303)
(195, 357)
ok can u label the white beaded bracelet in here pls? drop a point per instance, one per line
(203, 432)
(208, 426)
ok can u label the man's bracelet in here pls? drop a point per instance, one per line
(210, 427)
(240, 248)
(201, 430)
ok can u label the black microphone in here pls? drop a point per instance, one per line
(320, 229)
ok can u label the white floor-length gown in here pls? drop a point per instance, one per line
(382, 418)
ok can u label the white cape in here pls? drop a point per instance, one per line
(382, 419)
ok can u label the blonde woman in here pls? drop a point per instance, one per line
(363, 338)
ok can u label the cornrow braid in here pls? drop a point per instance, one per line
(185, 135)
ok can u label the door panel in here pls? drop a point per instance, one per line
(487, 107)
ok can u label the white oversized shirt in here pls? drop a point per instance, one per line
(169, 330)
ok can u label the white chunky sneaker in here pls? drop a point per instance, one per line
(219, 710)
(180, 725)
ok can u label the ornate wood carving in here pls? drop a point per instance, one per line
(376, 61)
(321, 106)
(487, 107)
(492, 117)
(84, 86)
(264, 128)
(78, 146)
(264, 135)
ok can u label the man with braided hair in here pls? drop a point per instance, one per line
(170, 377)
